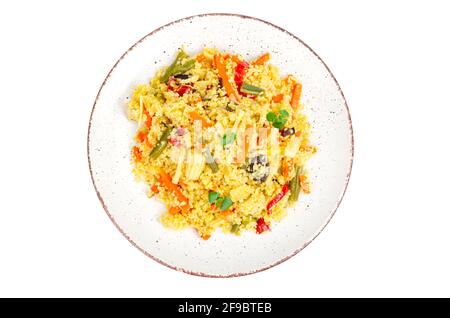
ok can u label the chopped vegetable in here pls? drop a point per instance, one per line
(304, 183)
(154, 188)
(148, 119)
(295, 186)
(227, 212)
(226, 203)
(170, 70)
(196, 116)
(174, 210)
(250, 89)
(210, 161)
(212, 196)
(277, 98)
(200, 58)
(231, 93)
(261, 226)
(166, 181)
(235, 228)
(236, 59)
(262, 59)
(286, 166)
(230, 109)
(228, 138)
(183, 89)
(185, 67)
(176, 67)
(141, 136)
(239, 73)
(137, 153)
(277, 198)
(161, 144)
(296, 93)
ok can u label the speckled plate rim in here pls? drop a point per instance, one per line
(105, 207)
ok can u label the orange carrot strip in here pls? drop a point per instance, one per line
(182, 184)
(148, 118)
(166, 180)
(262, 59)
(137, 153)
(231, 93)
(304, 184)
(200, 58)
(288, 80)
(227, 212)
(296, 93)
(235, 59)
(154, 188)
(196, 116)
(277, 98)
(286, 167)
(141, 136)
(174, 210)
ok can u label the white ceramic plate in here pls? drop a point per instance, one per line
(137, 216)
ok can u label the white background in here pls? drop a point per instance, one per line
(391, 235)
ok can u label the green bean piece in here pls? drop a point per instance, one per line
(294, 186)
(250, 89)
(235, 228)
(172, 68)
(210, 161)
(180, 69)
(161, 144)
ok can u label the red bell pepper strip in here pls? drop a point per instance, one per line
(277, 198)
(261, 226)
(183, 89)
(239, 73)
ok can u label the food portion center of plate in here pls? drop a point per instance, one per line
(221, 141)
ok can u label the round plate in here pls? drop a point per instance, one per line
(110, 139)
